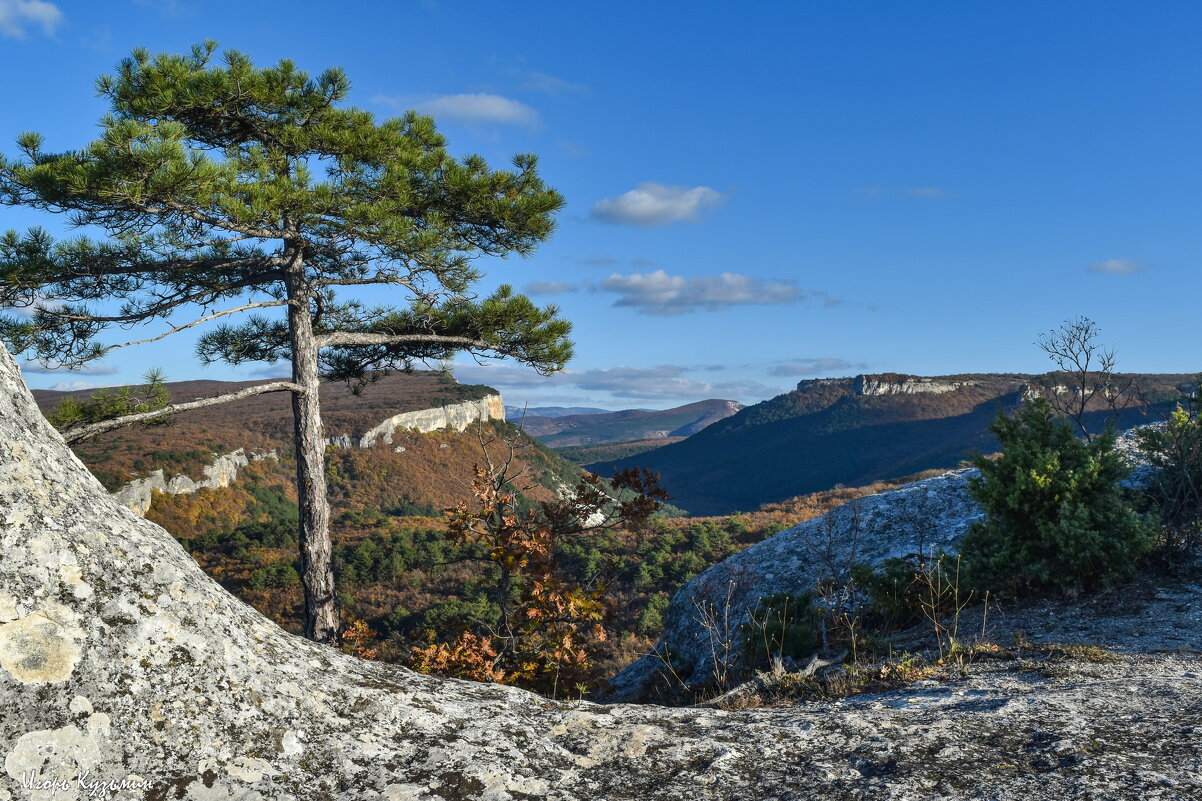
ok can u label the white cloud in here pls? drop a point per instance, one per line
(72, 386)
(666, 382)
(927, 192)
(653, 204)
(1117, 267)
(922, 192)
(87, 369)
(549, 288)
(662, 294)
(818, 366)
(273, 370)
(542, 82)
(16, 15)
(471, 108)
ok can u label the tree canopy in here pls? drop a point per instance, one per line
(218, 188)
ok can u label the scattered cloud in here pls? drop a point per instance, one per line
(73, 386)
(927, 192)
(651, 205)
(542, 82)
(167, 8)
(818, 366)
(274, 370)
(51, 369)
(666, 382)
(1117, 267)
(18, 15)
(549, 288)
(642, 263)
(475, 108)
(921, 192)
(573, 149)
(659, 293)
(505, 376)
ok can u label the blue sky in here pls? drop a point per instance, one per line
(756, 192)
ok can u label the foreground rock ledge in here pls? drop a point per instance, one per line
(122, 663)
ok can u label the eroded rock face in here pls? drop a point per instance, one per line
(455, 415)
(123, 666)
(701, 628)
(138, 495)
(905, 385)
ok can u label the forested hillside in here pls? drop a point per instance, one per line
(852, 431)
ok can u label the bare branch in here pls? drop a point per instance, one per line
(176, 329)
(92, 429)
(164, 306)
(167, 207)
(344, 338)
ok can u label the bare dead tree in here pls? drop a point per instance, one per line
(1089, 370)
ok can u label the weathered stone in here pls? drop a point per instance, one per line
(158, 684)
(454, 415)
(138, 494)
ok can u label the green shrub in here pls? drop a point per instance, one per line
(782, 624)
(1175, 489)
(651, 621)
(893, 592)
(1057, 518)
(275, 575)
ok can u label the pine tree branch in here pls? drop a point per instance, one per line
(83, 432)
(167, 207)
(176, 329)
(164, 306)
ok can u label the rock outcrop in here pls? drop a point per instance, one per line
(126, 673)
(455, 415)
(138, 494)
(701, 628)
(904, 385)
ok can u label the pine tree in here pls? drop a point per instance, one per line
(225, 189)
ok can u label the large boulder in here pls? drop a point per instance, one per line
(702, 644)
(126, 673)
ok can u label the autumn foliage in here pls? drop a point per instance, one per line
(546, 619)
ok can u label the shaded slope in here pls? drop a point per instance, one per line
(843, 431)
(629, 425)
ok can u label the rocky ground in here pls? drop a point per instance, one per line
(126, 673)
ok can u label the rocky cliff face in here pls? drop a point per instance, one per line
(137, 495)
(904, 385)
(457, 416)
(221, 472)
(702, 622)
(127, 673)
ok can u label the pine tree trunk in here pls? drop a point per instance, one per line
(317, 568)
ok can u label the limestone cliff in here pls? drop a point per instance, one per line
(138, 494)
(456, 415)
(126, 673)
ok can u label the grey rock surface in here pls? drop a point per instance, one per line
(701, 626)
(138, 494)
(454, 415)
(126, 673)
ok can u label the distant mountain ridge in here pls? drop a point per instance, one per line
(849, 431)
(515, 412)
(628, 425)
